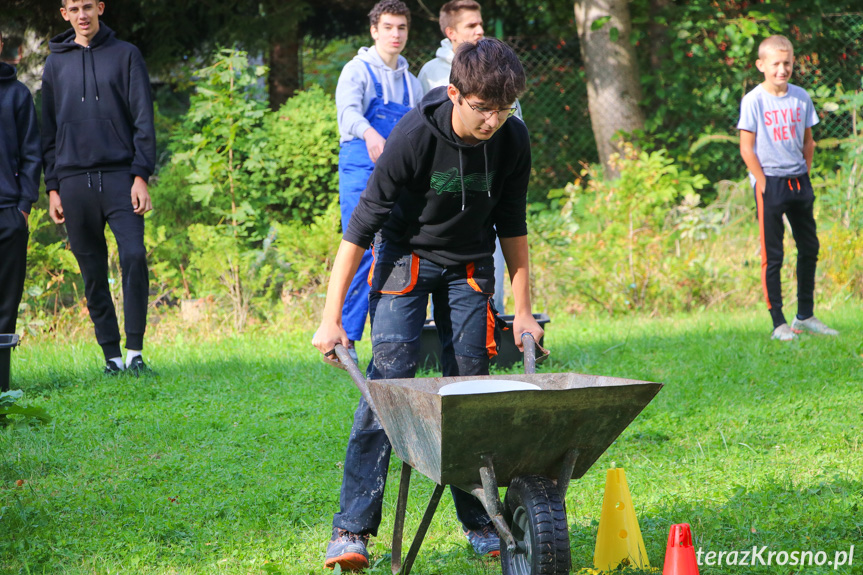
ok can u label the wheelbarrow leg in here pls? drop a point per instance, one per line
(398, 529)
(488, 496)
(401, 507)
(566, 472)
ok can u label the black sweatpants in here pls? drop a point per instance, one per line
(89, 202)
(793, 197)
(13, 265)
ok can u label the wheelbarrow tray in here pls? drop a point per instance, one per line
(448, 438)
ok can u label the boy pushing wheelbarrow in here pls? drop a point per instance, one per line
(454, 170)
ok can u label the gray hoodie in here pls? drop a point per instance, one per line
(356, 90)
(436, 71)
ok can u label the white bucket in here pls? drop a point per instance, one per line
(486, 386)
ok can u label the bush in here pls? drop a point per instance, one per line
(304, 144)
(618, 231)
(52, 276)
(292, 264)
(239, 172)
(644, 242)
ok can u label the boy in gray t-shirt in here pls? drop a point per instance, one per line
(776, 120)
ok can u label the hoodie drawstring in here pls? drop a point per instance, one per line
(461, 175)
(84, 72)
(485, 157)
(461, 179)
(790, 187)
(90, 181)
(84, 84)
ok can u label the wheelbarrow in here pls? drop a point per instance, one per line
(532, 441)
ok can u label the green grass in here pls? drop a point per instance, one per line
(229, 461)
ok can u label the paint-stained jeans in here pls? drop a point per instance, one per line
(469, 334)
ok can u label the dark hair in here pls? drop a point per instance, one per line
(394, 7)
(450, 11)
(489, 70)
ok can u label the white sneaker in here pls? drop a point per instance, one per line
(784, 333)
(813, 325)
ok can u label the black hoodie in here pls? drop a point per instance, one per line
(440, 197)
(97, 110)
(20, 156)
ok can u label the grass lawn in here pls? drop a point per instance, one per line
(229, 461)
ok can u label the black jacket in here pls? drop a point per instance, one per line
(441, 197)
(97, 110)
(20, 154)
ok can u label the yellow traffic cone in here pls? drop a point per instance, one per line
(618, 540)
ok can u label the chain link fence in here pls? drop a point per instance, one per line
(556, 111)
(554, 107)
(840, 65)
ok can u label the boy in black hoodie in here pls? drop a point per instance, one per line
(20, 168)
(99, 146)
(454, 169)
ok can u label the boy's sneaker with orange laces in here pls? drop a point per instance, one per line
(484, 541)
(347, 550)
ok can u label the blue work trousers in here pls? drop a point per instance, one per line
(469, 332)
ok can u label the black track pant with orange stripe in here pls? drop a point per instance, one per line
(794, 198)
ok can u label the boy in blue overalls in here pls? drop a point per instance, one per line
(375, 90)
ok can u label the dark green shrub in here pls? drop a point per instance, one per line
(304, 144)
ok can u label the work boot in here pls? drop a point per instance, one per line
(484, 541)
(347, 550)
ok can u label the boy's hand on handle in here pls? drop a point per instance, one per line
(55, 208)
(141, 201)
(374, 143)
(526, 324)
(328, 335)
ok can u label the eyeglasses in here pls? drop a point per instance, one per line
(486, 113)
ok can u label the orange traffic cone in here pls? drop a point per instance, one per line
(680, 555)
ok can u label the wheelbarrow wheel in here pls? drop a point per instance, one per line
(537, 518)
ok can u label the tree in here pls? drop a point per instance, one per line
(171, 31)
(613, 83)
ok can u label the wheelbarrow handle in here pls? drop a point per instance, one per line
(530, 347)
(346, 362)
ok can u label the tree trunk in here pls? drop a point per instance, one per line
(285, 76)
(613, 88)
